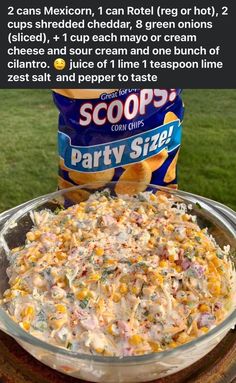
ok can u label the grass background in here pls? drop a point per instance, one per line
(28, 145)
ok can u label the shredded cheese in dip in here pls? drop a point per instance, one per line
(119, 276)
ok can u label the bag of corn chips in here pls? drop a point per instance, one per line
(118, 135)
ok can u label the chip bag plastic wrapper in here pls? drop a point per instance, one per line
(118, 135)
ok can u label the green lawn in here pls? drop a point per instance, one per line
(28, 135)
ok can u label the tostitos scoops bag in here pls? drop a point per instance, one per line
(119, 135)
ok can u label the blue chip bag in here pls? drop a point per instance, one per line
(118, 135)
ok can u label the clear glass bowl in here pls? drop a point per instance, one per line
(14, 225)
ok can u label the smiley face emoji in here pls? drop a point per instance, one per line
(59, 64)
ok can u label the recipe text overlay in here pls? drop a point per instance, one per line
(123, 44)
